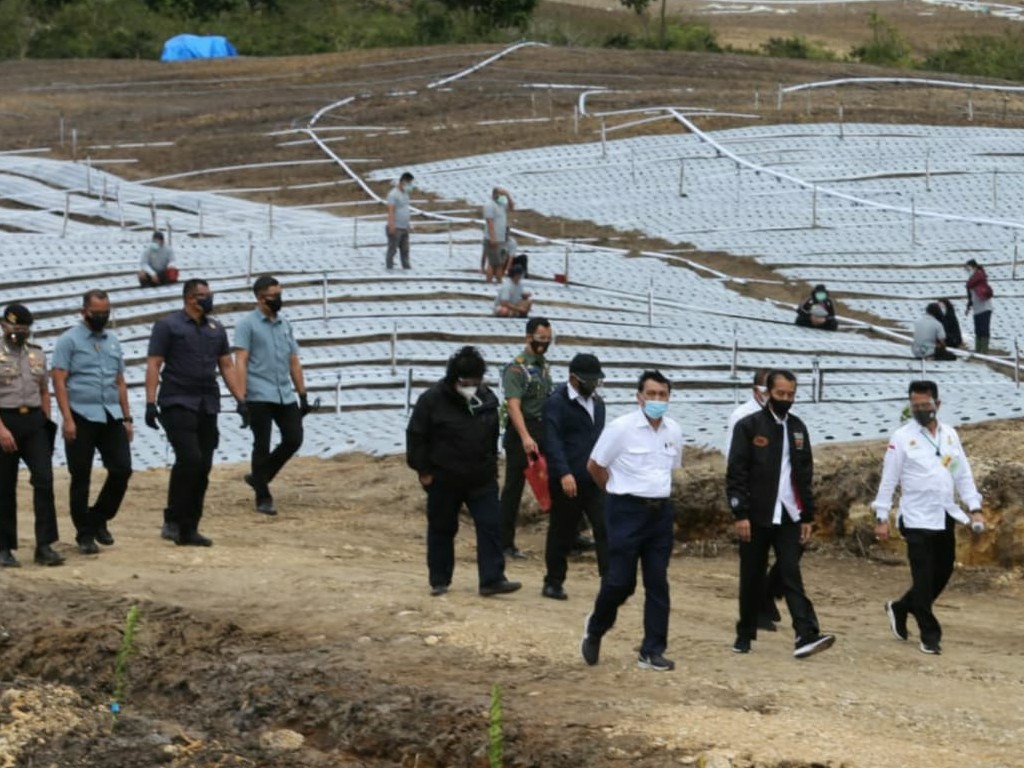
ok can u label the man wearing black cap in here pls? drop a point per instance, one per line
(573, 420)
(512, 300)
(26, 433)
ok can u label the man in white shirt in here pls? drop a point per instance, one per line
(925, 458)
(633, 462)
(769, 488)
(399, 221)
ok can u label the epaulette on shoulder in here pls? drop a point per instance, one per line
(520, 359)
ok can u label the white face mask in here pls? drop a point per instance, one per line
(468, 392)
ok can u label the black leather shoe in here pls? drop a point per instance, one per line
(554, 591)
(8, 560)
(169, 531)
(193, 539)
(266, 507)
(502, 587)
(46, 555)
(103, 537)
(438, 590)
(87, 546)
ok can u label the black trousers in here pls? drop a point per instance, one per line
(563, 527)
(443, 504)
(266, 463)
(639, 532)
(34, 437)
(785, 540)
(111, 440)
(194, 437)
(931, 555)
(512, 490)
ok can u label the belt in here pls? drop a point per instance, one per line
(647, 502)
(22, 409)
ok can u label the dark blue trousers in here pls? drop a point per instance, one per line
(639, 531)
(443, 504)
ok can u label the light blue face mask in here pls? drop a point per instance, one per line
(502, 201)
(655, 409)
(821, 295)
(409, 187)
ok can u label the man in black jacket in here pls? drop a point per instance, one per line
(768, 484)
(573, 420)
(452, 443)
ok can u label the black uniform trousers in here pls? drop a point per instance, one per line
(111, 440)
(785, 540)
(639, 531)
(194, 437)
(34, 437)
(563, 527)
(444, 500)
(932, 555)
(266, 463)
(512, 490)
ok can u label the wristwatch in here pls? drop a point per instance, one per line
(128, 420)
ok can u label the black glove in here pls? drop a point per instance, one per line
(304, 407)
(243, 411)
(152, 416)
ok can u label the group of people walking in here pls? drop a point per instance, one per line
(618, 476)
(187, 350)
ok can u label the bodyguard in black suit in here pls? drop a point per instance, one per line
(573, 420)
(768, 483)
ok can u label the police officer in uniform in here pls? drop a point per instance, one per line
(527, 384)
(26, 433)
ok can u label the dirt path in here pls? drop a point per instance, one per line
(319, 622)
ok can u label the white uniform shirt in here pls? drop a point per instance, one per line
(749, 407)
(927, 480)
(786, 498)
(639, 459)
(586, 402)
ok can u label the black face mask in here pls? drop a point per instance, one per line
(97, 321)
(924, 417)
(586, 388)
(205, 304)
(17, 339)
(274, 304)
(539, 347)
(780, 407)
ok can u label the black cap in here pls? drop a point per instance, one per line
(586, 367)
(17, 314)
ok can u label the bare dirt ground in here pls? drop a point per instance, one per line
(310, 639)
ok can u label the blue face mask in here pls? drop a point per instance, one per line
(206, 304)
(502, 201)
(655, 409)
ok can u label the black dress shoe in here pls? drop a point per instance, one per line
(103, 537)
(169, 531)
(8, 560)
(266, 507)
(438, 590)
(46, 555)
(554, 591)
(87, 546)
(193, 539)
(502, 587)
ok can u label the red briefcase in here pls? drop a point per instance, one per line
(536, 474)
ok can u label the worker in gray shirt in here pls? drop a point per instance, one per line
(399, 221)
(157, 264)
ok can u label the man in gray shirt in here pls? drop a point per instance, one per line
(398, 221)
(512, 300)
(494, 259)
(157, 264)
(930, 335)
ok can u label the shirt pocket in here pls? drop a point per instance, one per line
(8, 370)
(638, 460)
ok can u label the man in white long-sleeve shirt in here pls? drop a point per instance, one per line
(925, 458)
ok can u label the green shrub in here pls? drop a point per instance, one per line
(887, 46)
(797, 47)
(981, 56)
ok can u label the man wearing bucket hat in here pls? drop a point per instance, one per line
(573, 419)
(26, 434)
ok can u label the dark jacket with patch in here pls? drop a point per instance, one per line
(451, 439)
(570, 435)
(755, 461)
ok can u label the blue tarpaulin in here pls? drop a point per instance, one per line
(181, 47)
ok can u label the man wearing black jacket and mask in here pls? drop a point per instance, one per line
(452, 444)
(768, 485)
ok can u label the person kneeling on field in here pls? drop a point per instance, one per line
(512, 300)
